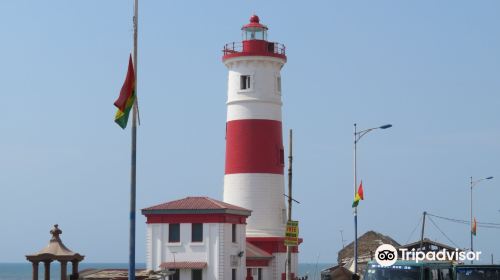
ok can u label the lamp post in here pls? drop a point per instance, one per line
(357, 137)
(472, 184)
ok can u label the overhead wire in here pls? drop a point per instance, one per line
(479, 224)
(444, 234)
(413, 231)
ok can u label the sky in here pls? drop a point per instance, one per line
(430, 68)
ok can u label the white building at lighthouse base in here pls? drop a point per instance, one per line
(203, 238)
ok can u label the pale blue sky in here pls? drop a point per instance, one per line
(431, 68)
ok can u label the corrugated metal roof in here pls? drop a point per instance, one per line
(195, 203)
(254, 252)
(183, 265)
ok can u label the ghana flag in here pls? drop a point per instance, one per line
(359, 195)
(127, 97)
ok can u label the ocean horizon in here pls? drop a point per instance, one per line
(22, 271)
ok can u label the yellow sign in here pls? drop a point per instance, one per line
(292, 233)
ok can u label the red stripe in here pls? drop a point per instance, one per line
(254, 146)
(272, 244)
(194, 218)
(257, 263)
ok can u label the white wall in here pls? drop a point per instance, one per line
(263, 194)
(278, 264)
(216, 249)
(262, 100)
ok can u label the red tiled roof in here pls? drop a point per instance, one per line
(183, 265)
(196, 203)
(254, 252)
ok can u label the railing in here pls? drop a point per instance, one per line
(249, 47)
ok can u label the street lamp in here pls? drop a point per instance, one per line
(472, 184)
(357, 137)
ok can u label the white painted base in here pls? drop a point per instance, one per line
(263, 194)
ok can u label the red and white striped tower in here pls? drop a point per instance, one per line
(254, 146)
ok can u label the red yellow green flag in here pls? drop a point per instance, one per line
(359, 195)
(127, 97)
(474, 227)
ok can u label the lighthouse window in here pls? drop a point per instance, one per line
(196, 232)
(196, 274)
(233, 233)
(174, 233)
(245, 82)
(278, 84)
(176, 275)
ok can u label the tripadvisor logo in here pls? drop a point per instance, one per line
(387, 255)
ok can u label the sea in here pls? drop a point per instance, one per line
(22, 271)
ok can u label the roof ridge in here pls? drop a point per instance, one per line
(217, 202)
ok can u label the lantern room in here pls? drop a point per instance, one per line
(254, 30)
(254, 42)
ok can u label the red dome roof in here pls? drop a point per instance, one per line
(254, 23)
(254, 18)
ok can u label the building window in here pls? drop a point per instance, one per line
(196, 232)
(245, 82)
(196, 274)
(233, 274)
(233, 233)
(259, 276)
(176, 275)
(174, 233)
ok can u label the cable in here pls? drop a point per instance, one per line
(479, 224)
(451, 241)
(411, 234)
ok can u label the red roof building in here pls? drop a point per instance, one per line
(198, 237)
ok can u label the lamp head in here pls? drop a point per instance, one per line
(385, 126)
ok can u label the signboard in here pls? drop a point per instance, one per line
(292, 233)
(234, 261)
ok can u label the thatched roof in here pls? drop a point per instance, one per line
(428, 245)
(367, 245)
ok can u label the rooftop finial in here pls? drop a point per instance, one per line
(254, 18)
(55, 233)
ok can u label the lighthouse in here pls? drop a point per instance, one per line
(254, 146)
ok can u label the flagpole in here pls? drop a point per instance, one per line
(131, 268)
(356, 207)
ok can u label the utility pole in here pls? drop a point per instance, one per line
(290, 198)
(422, 234)
(357, 137)
(472, 233)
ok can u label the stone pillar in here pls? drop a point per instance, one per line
(74, 274)
(63, 269)
(35, 270)
(47, 269)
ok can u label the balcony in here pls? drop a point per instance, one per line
(254, 48)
